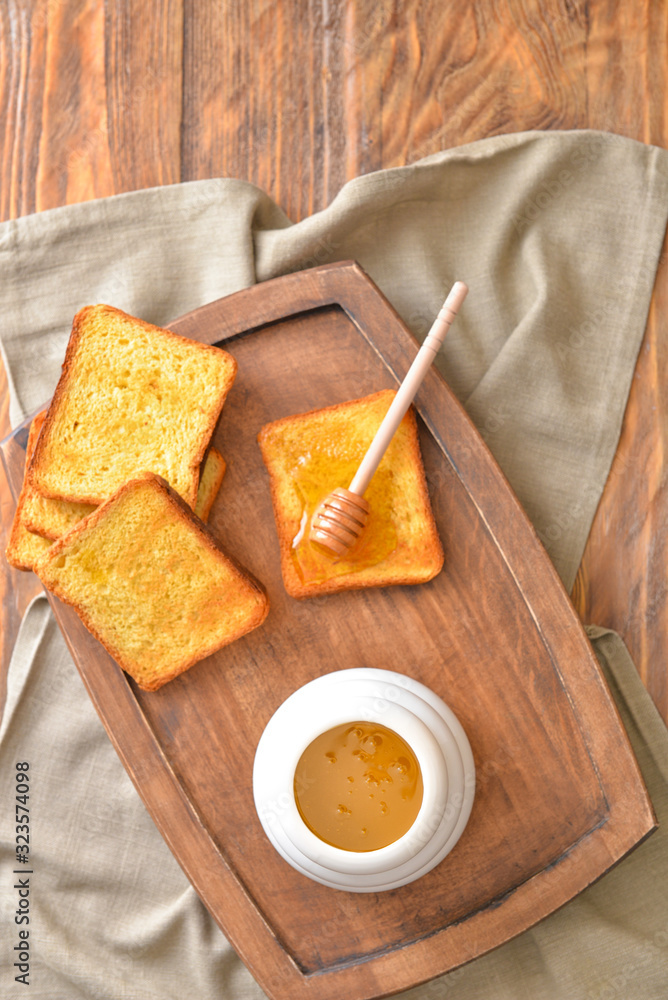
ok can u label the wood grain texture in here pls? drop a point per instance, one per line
(98, 98)
(559, 798)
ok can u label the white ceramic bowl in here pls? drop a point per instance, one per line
(429, 727)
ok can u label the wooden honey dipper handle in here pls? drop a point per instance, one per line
(408, 388)
(341, 517)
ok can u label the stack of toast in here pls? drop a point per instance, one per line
(121, 475)
(40, 520)
(119, 479)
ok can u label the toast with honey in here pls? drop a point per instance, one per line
(132, 397)
(151, 582)
(310, 454)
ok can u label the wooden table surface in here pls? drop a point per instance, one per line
(99, 97)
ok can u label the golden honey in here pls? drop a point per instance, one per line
(315, 475)
(358, 786)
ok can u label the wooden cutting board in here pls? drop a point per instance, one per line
(559, 798)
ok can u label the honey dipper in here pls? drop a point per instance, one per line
(341, 517)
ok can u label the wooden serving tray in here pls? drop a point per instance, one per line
(559, 797)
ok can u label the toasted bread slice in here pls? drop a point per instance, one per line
(132, 397)
(24, 546)
(310, 454)
(52, 518)
(210, 482)
(151, 582)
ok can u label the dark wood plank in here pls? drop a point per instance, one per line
(559, 798)
(143, 53)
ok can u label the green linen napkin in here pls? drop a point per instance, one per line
(558, 236)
